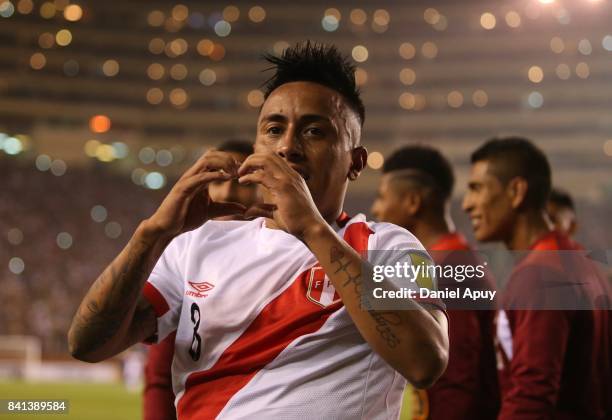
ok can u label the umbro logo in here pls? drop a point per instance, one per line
(199, 288)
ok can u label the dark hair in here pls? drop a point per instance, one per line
(517, 156)
(561, 198)
(237, 146)
(426, 160)
(318, 63)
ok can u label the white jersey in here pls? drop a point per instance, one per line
(260, 329)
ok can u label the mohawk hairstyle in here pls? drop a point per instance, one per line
(319, 63)
(518, 157)
(427, 161)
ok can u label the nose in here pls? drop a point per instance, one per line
(290, 147)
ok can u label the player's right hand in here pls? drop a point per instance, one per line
(188, 204)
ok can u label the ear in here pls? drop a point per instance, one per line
(359, 159)
(412, 202)
(517, 191)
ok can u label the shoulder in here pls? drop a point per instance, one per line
(383, 236)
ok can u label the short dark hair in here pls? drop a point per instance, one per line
(237, 146)
(519, 157)
(428, 161)
(561, 198)
(319, 63)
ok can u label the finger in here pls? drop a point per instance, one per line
(225, 209)
(202, 179)
(214, 160)
(260, 177)
(256, 161)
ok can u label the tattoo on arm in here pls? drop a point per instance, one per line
(110, 304)
(384, 320)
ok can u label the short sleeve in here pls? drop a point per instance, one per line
(394, 246)
(165, 287)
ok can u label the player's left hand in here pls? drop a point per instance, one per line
(291, 206)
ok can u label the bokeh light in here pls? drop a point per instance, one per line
(582, 70)
(257, 14)
(73, 12)
(454, 99)
(429, 50)
(563, 71)
(38, 61)
(99, 124)
(98, 213)
(535, 74)
(375, 160)
(255, 98)
(535, 99)
(407, 76)
(407, 51)
(358, 16)
(480, 98)
(110, 68)
(155, 96)
(487, 21)
(16, 265)
(513, 19)
(360, 53)
(361, 76)
(63, 37)
(208, 77)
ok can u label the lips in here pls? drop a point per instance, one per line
(476, 220)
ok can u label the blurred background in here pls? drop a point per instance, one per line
(103, 104)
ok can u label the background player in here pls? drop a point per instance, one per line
(158, 398)
(555, 363)
(415, 193)
(562, 213)
(277, 312)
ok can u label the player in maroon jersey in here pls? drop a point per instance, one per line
(556, 359)
(415, 193)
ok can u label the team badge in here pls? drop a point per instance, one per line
(320, 288)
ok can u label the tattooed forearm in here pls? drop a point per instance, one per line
(108, 308)
(384, 320)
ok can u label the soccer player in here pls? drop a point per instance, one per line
(415, 193)
(562, 213)
(555, 362)
(271, 315)
(158, 396)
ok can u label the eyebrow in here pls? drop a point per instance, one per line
(303, 119)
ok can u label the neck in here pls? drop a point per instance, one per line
(429, 229)
(527, 228)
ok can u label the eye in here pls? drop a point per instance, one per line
(314, 132)
(274, 130)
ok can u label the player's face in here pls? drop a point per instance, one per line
(388, 204)
(245, 194)
(312, 128)
(487, 204)
(563, 218)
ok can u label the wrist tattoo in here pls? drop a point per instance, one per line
(384, 320)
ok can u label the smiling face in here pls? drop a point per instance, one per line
(488, 204)
(317, 133)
